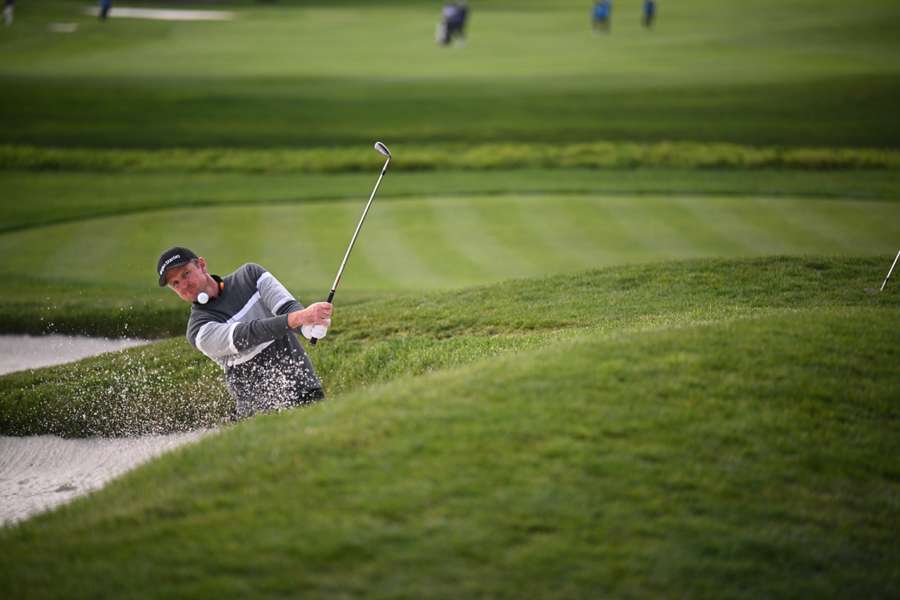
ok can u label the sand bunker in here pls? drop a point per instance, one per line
(40, 472)
(20, 352)
(165, 14)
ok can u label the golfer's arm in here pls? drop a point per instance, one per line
(219, 340)
(275, 296)
(254, 333)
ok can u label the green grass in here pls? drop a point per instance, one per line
(446, 241)
(32, 199)
(720, 429)
(688, 392)
(294, 75)
(84, 245)
(149, 389)
(596, 155)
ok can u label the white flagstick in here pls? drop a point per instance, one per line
(884, 283)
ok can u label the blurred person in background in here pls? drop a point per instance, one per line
(601, 15)
(453, 23)
(443, 30)
(9, 8)
(649, 13)
(458, 25)
(105, 6)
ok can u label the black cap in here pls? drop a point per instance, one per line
(173, 257)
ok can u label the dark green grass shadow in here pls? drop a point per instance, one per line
(840, 111)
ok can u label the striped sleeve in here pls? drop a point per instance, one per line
(214, 339)
(275, 296)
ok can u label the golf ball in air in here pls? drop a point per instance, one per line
(202, 297)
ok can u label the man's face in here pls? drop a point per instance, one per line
(188, 280)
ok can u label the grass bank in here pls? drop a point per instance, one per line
(169, 387)
(728, 458)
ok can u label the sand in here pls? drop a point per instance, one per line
(21, 352)
(40, 472)
(163, 14)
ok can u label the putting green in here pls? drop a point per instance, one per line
(448, 242)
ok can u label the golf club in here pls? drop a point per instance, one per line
(884, 283)
(382, 149)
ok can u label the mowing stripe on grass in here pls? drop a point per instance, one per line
(457, 260)
(555, 225)
(735, 223)
(408, 243)
(463, 224)
(817, 227)
(389, 243)
(705, 224)
(648, 221)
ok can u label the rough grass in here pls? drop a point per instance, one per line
(746, 451)
(170, 387)
(418, 157)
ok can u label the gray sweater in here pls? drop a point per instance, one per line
(245, 330)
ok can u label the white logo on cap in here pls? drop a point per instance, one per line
(168, 262)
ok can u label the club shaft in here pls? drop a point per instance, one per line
(884, 283)
(340, 272)
(359, 225)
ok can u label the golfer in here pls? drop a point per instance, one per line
(246, 323)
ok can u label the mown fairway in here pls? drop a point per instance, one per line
(688, 392)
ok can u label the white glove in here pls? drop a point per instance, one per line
(315, 331)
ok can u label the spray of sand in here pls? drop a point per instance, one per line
(38, 473)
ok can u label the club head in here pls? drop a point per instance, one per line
(382, 149)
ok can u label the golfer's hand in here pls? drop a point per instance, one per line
(314, 314)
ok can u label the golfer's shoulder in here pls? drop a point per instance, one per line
(247, 274)
(250, 269)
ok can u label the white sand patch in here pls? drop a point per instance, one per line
(164, 14)
(20, 352)
(40, 472)
(63, 27)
